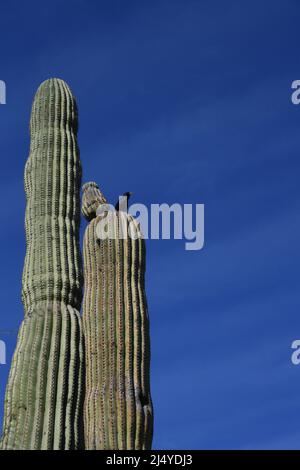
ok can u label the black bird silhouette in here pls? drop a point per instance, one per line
(123, 199)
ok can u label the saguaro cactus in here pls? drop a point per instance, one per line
(118, 409)
(44, 394)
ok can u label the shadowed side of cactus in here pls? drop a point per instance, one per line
(118, 409)
(45, 390)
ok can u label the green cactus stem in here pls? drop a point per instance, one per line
(45, 391)
(118, 409)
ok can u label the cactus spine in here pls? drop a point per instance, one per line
(118, 408)
(44, 394)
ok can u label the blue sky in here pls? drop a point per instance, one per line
(181, 101)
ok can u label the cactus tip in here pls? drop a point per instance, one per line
(53, 106)
(92, 198)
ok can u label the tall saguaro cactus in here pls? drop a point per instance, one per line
(44, 396)
(118, 409)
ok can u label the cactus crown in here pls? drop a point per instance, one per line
(54, 106)
(92, 198)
